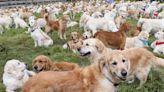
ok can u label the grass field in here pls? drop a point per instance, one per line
(16, 44)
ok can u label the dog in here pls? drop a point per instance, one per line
(18, 21)
(43, 63)
(60, 25)
(94, 78)
(137, 66)
(94, 49)
(114, 39)
(75, 43)
(40, 22)
(15, 75)
(151, 25)
(40, 38)
(158, 45)
(138, 41)
(87, 35)
(6, 22)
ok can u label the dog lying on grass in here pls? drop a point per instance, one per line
(43, 63)
(15, 75)
(94, 78)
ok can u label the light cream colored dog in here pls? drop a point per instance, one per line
(93, 48)
(139, 63)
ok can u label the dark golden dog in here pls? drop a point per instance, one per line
(43, 63)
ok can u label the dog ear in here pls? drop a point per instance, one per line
(9, 69)
(101, 64)
(48, 64)
(99, 46)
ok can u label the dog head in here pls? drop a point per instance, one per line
(32, 23)
(125, 26)
(87, 35)
(144, 36)
(75, 35)
(41, 63)
(91, 47)
(117, 65)
(159, 35)
(14, 67)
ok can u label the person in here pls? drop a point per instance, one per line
(110, 1)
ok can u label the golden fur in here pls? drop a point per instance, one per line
(75, 42)
(89, 79)
(58, 25)
(137, 64)
(113, 39)
(43, 63)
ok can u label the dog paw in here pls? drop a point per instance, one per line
(65, 46)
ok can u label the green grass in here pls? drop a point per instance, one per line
(16, 44)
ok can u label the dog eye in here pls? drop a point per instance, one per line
(40, 61)
(123, 60)
(18, 63)
(87, 44)
(114, 63)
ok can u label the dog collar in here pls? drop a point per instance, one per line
(144, 42)
(114, 84)
(159, 43)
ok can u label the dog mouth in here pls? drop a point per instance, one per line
(37, 70)
(121, 78)
(85, 54)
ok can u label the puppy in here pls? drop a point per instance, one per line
(75, 43)
(137, 66)
(60, 25)
(43, 63)
(113, 39)
(94, 78)
(139, 41)
(15, 75)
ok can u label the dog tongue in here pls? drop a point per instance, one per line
(159, 43)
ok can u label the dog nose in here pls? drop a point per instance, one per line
(78, 49)
(35, 67)
(123, 73)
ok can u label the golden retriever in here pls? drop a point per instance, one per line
(58, 25)
(135, 63)
(94, 78)
(113, 39)
(43, 63)
(74, 43)
(93, 48)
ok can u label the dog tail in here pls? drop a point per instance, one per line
(158, 62)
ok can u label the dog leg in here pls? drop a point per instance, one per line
(9, 90)
(65, 36)
(142, 76)
(35, 42)
(131, 79)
